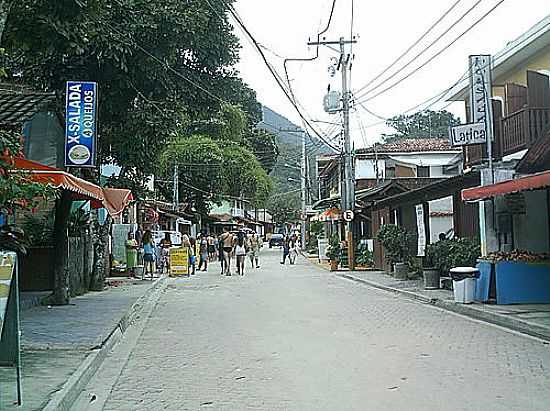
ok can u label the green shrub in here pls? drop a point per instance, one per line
(458, 252)
(333, 249)
(363, 256)
(396, 242)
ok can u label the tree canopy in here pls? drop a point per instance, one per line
(423, 124)
(216, 162)
(159, 65)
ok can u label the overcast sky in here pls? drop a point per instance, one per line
(384, 29)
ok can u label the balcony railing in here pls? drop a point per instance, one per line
(516, 132)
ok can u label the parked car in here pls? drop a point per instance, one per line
(276, 240)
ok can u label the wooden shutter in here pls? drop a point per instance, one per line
(538, 85)
(516, 97)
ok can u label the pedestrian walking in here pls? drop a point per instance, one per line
(219, 247)
(131, 253)
(203, 253)
(148, 254)
(240, 252)
(211, 247)
(254, 245)
(227, 244)
(292, 250)
(192, 255)
(286, 249)
(164, 252)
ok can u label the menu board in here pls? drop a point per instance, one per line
(6, 275)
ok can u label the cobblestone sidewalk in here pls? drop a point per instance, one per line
(56, 340)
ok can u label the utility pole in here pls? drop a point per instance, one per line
(348, 177)
(303, 184)
(304, 191)
(175, 192)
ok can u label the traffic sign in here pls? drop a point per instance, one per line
(349, 215)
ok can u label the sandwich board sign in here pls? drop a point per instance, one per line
(10, 351)
(179, 261)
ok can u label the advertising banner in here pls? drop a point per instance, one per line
(80, 124)
(421, 231)
(179, 261)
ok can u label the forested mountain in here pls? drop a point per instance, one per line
(286, 193)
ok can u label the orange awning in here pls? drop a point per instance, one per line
(332, 214)
(114, 200)
(532, 182)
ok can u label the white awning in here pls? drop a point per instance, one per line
(434, 160)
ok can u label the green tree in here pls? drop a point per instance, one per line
(264, 146)
(133, 49)
(285, 208)
(199, 160)
(423, 124)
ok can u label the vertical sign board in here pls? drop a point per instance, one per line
(480, 87)
(80, 124)
(179, 261)
(421, 230)
(10, 353)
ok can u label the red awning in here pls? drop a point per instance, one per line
(332, 214)
(114, 200)
(532, 182)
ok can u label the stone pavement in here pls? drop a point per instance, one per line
(56, 340)
(299, 338)
(531, 318)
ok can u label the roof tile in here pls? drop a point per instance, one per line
(411, 145)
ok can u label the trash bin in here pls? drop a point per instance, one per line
(464, 283)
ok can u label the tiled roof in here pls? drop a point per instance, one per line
(19, 107)
(411, 145)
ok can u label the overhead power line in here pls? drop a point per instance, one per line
(274, 75)
(394, 84)
(413, 45)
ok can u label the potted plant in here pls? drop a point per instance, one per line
(333, 252)
(395, 241)
(446, 254)
(430, 270)
(363, 256)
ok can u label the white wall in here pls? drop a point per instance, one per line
(531, 229)
(440, 224)
(365, 168)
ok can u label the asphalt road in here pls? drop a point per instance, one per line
(299, 338)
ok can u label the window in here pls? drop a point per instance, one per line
(390, 172)
(422, 171)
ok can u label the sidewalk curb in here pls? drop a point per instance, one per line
(64, 398)
(523, 327)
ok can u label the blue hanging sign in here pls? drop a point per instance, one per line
(80, 124)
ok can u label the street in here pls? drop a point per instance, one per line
(300, 338)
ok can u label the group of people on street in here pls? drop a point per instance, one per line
(142, 250)
(142, 247)
(238, 245)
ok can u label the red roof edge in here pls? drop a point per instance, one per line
(532, 182)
